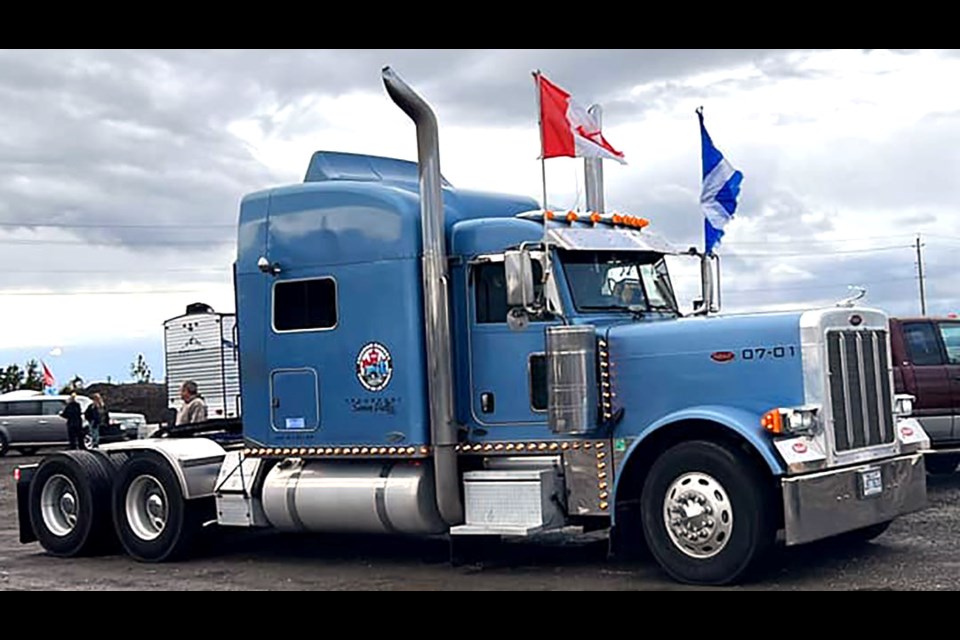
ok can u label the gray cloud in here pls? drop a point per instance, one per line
(139, 137)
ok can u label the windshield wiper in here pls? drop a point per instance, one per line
(663, 307)
(603, 307)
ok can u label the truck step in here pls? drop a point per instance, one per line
(511, 502)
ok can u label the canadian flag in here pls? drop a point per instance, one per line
(566, 129)
(48, 380)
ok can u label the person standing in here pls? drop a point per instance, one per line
(194, 408)
(96, 414)
(74, 417)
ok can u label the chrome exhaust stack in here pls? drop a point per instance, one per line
(443, 426)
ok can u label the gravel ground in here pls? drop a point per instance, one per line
(917, 552)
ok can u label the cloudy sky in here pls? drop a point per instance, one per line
(121, 171)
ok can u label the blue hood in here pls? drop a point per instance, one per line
(748, 362)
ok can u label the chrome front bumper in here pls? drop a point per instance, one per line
(823, 504)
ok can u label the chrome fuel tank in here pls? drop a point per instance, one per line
(352, 497)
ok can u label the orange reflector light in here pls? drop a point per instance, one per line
(617, 218)
(571, 217)
(772, 422)
(643, 222)
(594, 218)
(548, 215)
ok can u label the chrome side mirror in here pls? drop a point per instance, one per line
(518, 267)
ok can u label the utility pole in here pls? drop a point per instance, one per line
(923, 296)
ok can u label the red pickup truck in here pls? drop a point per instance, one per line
(926, 364)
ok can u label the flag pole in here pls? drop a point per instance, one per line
(543, 160)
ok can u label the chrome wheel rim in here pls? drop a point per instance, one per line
(698, 515)
(147, 507)
(59, 505)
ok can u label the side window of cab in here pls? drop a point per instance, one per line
(490, 292)
(922, 344)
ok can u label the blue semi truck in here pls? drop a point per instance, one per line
(417, 359)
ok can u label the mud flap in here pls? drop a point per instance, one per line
(23, 506)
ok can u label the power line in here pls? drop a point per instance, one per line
(112, 225)
(96, 242)
(732, 243)
(113, 271)
(819, 286)
(818, 253)
(14, 294)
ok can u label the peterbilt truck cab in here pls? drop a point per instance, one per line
(417, 359)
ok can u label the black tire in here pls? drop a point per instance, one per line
(28, 451)
(4, 445)
(73, 485)
(941, 464)
(864, 535)
(744, 535)
(182, 519)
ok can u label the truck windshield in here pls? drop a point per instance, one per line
(610, 280)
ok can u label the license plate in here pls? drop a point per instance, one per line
(871, 482)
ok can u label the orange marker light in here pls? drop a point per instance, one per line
(772, 422)
(594, 218)
(617, 218)
(643, 222)
(548, 215)
(571, 217)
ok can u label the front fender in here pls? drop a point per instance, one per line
(744, 423)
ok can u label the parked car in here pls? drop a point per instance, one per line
(926, 364)
(29, 422)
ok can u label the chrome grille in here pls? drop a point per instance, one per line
(859, 388)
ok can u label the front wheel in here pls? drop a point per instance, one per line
(153, 520)
(707, 513)
(864, 535)
(941, 464)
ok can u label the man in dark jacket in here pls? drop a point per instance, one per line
(74, 418)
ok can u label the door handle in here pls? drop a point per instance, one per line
(487, 402)
(41, 422)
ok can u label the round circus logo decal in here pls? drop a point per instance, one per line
(374, 366)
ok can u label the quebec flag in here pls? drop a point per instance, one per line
(721, 186)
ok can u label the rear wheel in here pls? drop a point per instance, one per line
(941, 464)
(153, 520)
(707, 513)
(69, 503)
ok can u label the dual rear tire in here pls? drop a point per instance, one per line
(86, 502)
(151, 518)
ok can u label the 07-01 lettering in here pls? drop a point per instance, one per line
(761, 353)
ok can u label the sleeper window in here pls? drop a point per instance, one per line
(304, 305)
